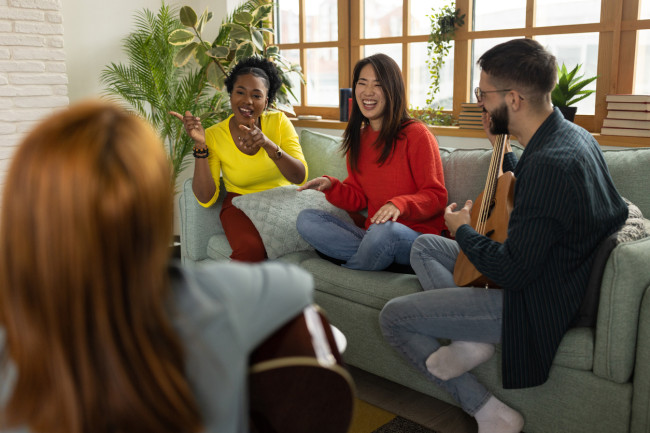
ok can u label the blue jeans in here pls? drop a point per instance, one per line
(412, 324)
(433, 258)
(371, 250)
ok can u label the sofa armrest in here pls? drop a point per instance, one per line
(640, 421)
(625, 281)
(197, 223)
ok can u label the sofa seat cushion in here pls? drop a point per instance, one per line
(370, 288)
(576, 349)
(374, 289)
(219, 249)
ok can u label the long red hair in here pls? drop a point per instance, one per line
(84, 247)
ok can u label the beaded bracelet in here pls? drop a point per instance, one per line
(200, 153)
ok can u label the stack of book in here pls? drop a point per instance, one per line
(470, 116)
(627, 115)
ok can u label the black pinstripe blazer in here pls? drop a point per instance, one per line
(565, 204)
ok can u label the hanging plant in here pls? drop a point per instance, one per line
(444, 23)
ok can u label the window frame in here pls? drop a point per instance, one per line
(617, 45)
(343, 46)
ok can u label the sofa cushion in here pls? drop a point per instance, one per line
(630, 169)
(219, 247)
(576, 349)
(623, 287)
(633, 229)
(323, 155)
(274, 213)
(466, 171)
(373, 289)
(370, 288)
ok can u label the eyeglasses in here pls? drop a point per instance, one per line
(479, 93)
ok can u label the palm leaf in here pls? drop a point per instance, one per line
(149, 84)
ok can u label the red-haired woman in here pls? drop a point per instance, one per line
(101, 334)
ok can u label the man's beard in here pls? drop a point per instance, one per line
(499, 121)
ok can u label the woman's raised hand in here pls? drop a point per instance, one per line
(319, 184)
(252, 138)
(192, 125)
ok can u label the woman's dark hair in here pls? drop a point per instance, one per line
(395, 115)
(259, 67)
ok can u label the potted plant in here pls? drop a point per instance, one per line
(569, 90)
(245, 33)
(149, 84)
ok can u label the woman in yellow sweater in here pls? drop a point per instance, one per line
(253, 149)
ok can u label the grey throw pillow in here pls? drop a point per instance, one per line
(274, 213)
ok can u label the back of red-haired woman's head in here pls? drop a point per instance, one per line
(84, 235)
(88, 194)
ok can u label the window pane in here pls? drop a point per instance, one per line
(293, 56)
(287, 22)
(573, 49)
(419, 78)
(382, 18)
(561, 12)
(421, 12)
(644, 10)
(479, 46)
(321, 21)
(499, 14)
(322, 75)
(642, 72)
(391, 50)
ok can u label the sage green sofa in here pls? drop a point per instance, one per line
(600, 379)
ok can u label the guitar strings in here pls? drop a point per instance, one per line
(490, 186)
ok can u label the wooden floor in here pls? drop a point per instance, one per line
(421, 408)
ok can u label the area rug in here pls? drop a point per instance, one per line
(371, 419)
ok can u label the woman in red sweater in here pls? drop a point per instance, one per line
(394, 170)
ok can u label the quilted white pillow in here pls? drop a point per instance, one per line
(274, 213)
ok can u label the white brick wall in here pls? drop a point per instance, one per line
(33, 78)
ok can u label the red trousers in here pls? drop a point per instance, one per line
(243, 237)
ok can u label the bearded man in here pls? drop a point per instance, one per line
(565, 204)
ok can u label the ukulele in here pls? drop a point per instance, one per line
(298, 382)
(494, 205)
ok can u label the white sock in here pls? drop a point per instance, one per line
(496, 417)
(457, 358)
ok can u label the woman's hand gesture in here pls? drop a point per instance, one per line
(252, 138)
(319, 184)
(192, 125)
(387, 212)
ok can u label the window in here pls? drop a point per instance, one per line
(609, 38)
(314, 34)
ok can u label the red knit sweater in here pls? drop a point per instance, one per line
(411, 179)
